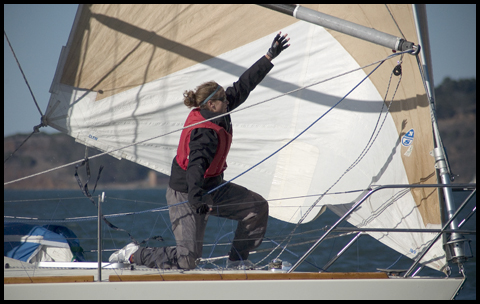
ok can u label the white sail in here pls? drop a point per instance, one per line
(122, 74)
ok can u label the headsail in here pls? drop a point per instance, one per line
(121, 77)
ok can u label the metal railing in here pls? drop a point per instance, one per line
(335, 227)
(439, 232)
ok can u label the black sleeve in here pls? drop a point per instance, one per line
(240, 90)
(203, 145)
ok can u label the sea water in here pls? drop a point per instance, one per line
(366, 254)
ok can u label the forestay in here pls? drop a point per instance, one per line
(121, 77)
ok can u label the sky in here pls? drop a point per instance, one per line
(38, 31)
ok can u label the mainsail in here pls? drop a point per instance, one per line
(122, 73)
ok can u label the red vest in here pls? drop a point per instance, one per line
(219, 163)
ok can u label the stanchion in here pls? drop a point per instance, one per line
(99, 236)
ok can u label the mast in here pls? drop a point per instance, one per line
(455, 247)
(343, 26)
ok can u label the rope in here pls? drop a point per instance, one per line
(395, 21)
(36, 128)
(8, 218)
(18, 147)
(23, 74)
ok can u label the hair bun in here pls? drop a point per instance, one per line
(194, 99)
(189, 99)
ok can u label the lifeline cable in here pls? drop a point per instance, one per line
(159, 209)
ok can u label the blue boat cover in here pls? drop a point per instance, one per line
(23, 241)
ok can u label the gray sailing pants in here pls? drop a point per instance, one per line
(231, 201)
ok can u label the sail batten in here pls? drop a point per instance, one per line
(121, 78)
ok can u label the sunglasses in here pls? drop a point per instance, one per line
(223, 99)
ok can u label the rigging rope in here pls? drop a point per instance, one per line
(42, 124)
(24, 141)
(395, 21)
(159, 209)
(23, 74)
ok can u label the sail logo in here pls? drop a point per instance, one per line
(407, 139)
(92, 137)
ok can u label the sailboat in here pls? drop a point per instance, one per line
(341, 122)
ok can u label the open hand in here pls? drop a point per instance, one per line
(278, 45)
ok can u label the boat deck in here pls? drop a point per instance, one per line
(124, 282)
(49, 272)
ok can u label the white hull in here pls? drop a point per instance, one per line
(375, 289)
(213, 284)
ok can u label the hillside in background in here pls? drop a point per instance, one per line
(456, 112)
(457, 120)
(43, 151)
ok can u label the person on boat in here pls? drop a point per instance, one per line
(198, 167)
